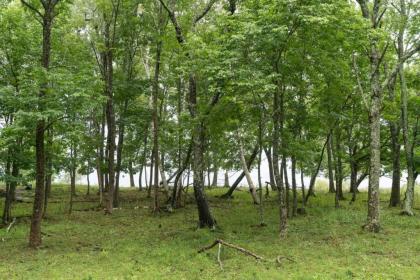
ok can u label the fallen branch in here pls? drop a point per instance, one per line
(11, 225)
(279, 258)
(218, 256)
(240, 249)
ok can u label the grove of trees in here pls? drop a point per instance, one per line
(167, 89)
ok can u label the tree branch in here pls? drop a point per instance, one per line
(178, 29)
(204, 12)
(33, 8)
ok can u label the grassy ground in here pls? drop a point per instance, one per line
(327, 243)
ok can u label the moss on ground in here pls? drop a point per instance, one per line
(327, 243)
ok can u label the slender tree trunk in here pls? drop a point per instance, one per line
(131, 173)
(88, 182)
(395, 199)
(215, 173)
(205, 217)
(278, 174)
(226, 184)
(408, 202)
(110, 116)
(242, 175)
(251, 185)
(294, 187)
(286, 181)
(152, 163)
(35, 239)
(315, 173)
(331, 187)
(303, 188)
(120, 147)
(338, 168)
(270, 168)
(10, 191)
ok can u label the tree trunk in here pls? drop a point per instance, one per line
(331, 187)
(88, 183)
(152, 163)
(408, 202)
(226, 184)
(215, 173)
(10, 191)
(278, 174)
(35, 239)
(242, 175)
(110, 116)
(131, 173)
(205, 217)
(338, 168)
(270, 168)
(395, 199)
(294, 187)
(286, 182)
(315, 173)
(251, 185)
(120, 147)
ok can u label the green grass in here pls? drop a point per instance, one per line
(327, 243)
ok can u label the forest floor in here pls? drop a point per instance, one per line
(326, 243)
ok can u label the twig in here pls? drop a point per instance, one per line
(11, 225)
(240, 249)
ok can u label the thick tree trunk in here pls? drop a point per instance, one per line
(242, 175)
